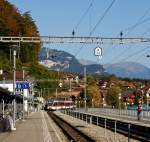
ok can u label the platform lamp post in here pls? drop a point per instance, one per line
(119, 95)
(85, 96)
(103, 101)
(147, 96)
(14, 47)
(23, 78)
(3, 105)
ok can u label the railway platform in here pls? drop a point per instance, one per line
(37, 127)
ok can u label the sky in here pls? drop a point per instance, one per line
(60, 17)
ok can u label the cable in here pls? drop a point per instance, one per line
(118, 55)
(131, 28)
(96, 25)
(100, 20)
(146, 32)
(138, 22)
(135, 53)
(78, 51)
(83, 16)
(138, 58)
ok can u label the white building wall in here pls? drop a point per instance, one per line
(8, 86)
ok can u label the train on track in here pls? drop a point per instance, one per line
(59, 105)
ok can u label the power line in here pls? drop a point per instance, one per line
(135, 53)
(100, 20)
(131, 28)
(118, 55)
(139, 57)
(97, 24)
(137, 24)
(83, 16)
(148, 30)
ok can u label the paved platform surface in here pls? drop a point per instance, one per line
(38, 127)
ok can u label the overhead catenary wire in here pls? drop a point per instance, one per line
(83, 16)
(97, 24)
(139, 22)
(141, 55)
(101, 19)
(118, 55)
(146, 31)
(135, 53)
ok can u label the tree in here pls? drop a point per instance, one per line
(136, 100)
(12, 23)
(93, 92)
(112, 97)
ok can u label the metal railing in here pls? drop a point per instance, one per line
(145, 115)
(130, 130)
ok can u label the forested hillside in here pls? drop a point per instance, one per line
(13, 23)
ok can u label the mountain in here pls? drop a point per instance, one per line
(63, 61)
(86, 62)
(128, 69)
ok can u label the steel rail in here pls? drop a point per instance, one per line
(70, 131)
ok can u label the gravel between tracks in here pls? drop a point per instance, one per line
(97, 133)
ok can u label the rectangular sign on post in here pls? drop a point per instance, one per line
(22, 85)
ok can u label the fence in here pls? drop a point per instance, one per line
(130, 130)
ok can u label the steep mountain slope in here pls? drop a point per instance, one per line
(61, 60)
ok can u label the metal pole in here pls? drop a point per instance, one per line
(115, 130)
(92, 103)
(79, 104)
(129, 132)
(41, 92)
(23, 94)
(10, 55)
(14, 91)
(147, 95)
(70, 87)
(56, 93)
(85, 105)
(103, 102)
(119, 103)
(48, 93)
(105, 127)
(3, 105)
(97, 120)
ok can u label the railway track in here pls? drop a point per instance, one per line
(141, 133)
(70, 131)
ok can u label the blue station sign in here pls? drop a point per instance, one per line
(22, 85)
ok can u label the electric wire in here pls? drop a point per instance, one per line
(97, 24)
(131, 28)
(133, 54)
(137, 24)
(79, 22)
(84, 15)
(147, 31)
(101, 19)
(140, 57)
